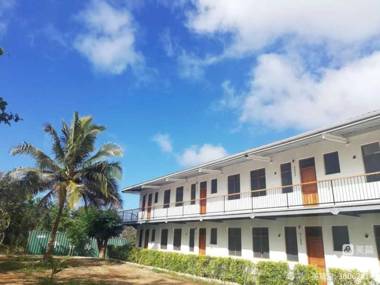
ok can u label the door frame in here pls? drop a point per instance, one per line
(202, 241)
(322, 271)
(309, 198)
(203, 198)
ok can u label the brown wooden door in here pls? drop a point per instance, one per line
(315, 250)
(149, 206)
(146, 239)
(203, 197)
(309, 182)
(202, 241)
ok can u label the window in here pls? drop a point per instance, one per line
(340, 237)
(156, 197)
(146, 239)
(140, 237)
(191, 239)
(371, 158)
(164, 239)
(193, 193)
(177, 239)
(167, 199)
(376, 229)
(286, 177)
(234, 187)
(331, 163)
(143, 203)
(214, 236)
(260, 242)
(179, 197)
(153, 237)
(258, 182)
(291, 243)
(214, 186)
(234, 241)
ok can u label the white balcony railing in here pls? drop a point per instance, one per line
(354, 190)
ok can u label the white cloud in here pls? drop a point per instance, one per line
(196, 155)
(109, 40)
(256, 24)
(283, 94)
(5, 7)
(164, 142)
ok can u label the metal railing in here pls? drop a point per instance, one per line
(354, 190)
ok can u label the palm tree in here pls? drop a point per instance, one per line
(76, 172)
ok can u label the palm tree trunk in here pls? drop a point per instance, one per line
(102, 246)
(50, 246)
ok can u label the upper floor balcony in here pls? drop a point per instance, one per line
(352, 193)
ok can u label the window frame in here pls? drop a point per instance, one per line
(193, 193)
(177, 240)
(167, 194)
(214, 236)
(262, 236)
(234, 243)
(179, 196)
(333, 159)
(290, 254)
(286, 176)
(235, 194)
(156, 198)
(258, 182)
(164, 242)
(191, 239)
(367, 167)
(214, 186)
(153, 235)
(338, 242)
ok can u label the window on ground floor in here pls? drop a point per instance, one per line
(340, 237)
(214, 236)
(177, 239)
(191, 239)
(234, 241)
(140, 237)
(260, 242)
(291, 243)
(153, 237)
(164, 239)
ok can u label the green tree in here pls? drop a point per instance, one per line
(103, 225)
(77, 172)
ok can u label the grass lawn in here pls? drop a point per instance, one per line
(78, 270)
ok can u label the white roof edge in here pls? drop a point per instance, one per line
(301, 137)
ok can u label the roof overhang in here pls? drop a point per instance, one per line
(339, 133)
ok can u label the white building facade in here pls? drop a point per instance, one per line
(302, 200)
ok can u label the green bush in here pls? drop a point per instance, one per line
(350, 277)
(272, 273)
(305, 275)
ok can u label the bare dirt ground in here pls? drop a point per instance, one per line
(88, 271)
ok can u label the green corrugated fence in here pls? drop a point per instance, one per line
(38, 240)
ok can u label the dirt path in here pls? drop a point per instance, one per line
(91, 273)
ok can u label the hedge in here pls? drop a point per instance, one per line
(350, 277)
(236, 270)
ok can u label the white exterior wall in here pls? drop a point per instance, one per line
(351, 164)
(361, 235)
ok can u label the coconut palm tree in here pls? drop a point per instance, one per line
(76, 172)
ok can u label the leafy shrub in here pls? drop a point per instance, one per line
(272, 273)
(305, 275)
(350, 277)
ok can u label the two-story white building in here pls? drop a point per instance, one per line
(298, 200)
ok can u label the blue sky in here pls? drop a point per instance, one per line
(180, 83)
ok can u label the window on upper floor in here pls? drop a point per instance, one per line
(340, 237)
(234, 241)
(164, 238)
(179, 196)
(143, 203)
(331, 162)
(371, 158)
(167, 199)
(258, 182)
(234, 187)
(286, 177)
(193, 193)
(214, 236)
(177, 239)
(156, 197)
(214, 186)
(260, 242)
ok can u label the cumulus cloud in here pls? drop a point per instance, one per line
(282, 93)
(109, 38)
(164, 142)
(196, 155)
(256, 24)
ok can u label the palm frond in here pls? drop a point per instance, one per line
(106, 151)
(57, 146)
